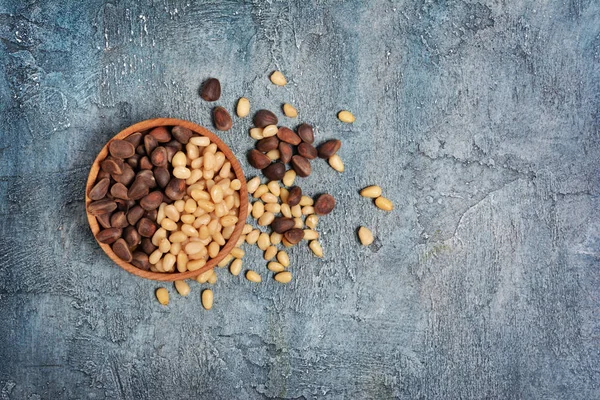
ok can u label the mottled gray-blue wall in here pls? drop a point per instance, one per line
(480, 119)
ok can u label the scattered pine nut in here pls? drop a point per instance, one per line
(274, 187)
(346, 116)
(236, 267)
(253, 276)
(283, 258)
(182, 288)
(278, 79)
(207, 299)
(365, 235)
(384, 204)
(316, 248)
(309, 234)
(258, 209)
(275, 267)
(256, 133)
(213, 278)
(311, 221)
(270, 253)
(306, 201)
(276, 238)
(243, 107)
(289, 177)
(270, 130)
(371, 192)
(237, 252)
(290, 111)
(263, 241)
(336, 163)
(252, 237)
(203, 277)
(253, 184)
(162, 295)
(273, 155)
(262, 189)
(283, 277)
(226, 260)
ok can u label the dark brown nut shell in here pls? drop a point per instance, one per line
(175, 190)
(119, 191)
(152, 200)
(159, 157)
(100, 189)
(140, 260)
(307, 151)
(329, 148)
(135, 139)
(257, 159)
(132, 236)
(146, 227)
(294, 235)
(181, 134)
(264, 118)
(147, 246)
(109, 235)
(282, 224)
(161, 134)
(294, 196)
(134, 214)
(104, 220)
(267, 144)
(103, 206)
(275, 171)
(121, 148)
(285, 152)
(119, 220)
(325, 204)
(287, 135)
(211, 89)
(112, 166)
(222, 119)
(121, 249)
(162, 177)
(150, 143)
(301, 165)
(306, 133)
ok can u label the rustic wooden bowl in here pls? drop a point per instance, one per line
(243, 210)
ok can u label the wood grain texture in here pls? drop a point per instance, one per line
(479, 119)
(144, 126)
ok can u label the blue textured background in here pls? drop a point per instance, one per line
(479, 119)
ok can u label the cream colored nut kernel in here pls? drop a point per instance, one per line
(284, 195)
(269, 198)
(175, 248)
(275, 267)
(195, 265)
(172, 213)
(283, 277)
(182, 288)
(181, 172)
(192, 151)
(283, 258)
(263, 241)
(273, 155)
(200, 141)
(276, 238)
(236, 252)
(384, 204)
(252, 237)
(228, 220)
(228, 231)
(190, 206)
(160, 234)
(290, 111)
(160, 214)
(298, 223)
(243, 107)
(266, 219)
(189, 230)
(247, 229)
(311, 221)
(207, 299)
(168, 224)
(218, 238)
(365, 235)
(286, 243)
(297, 211)
(309, 234)
(258, 209)
(270, 130)
(274, 188)
(169, 262)
(159, 267)
(236, 267)
(212, 279)
(216, 194)
(203, 277)
(286, 210)
(289, 177)
(179, 159)
(209, 161)
(182, 260)
(195, 176)
(155, 256)
(256, 133)
(179, 206)
(372, 192)
(308, 210)
(274, 208)
(194, 247)
(253, 184)
(225, 261)
(278, 79)
(162, 295)
(270, 253)
(346, 116)
(252, 276)
(164, 246)
(316, 248)
(306, 201)
(336, 163)
(262, 189)
(235, 184)
(213, 249)
(178, 237)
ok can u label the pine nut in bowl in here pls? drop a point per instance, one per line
(163, 199)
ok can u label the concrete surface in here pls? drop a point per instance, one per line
(479, 119)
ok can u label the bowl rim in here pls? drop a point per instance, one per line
(235, 165)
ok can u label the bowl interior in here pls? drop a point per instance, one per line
(242, 213)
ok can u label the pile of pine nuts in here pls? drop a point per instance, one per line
(200, 224)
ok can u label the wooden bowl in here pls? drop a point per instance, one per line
(242, 213)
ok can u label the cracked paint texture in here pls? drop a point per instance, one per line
(480, 120)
